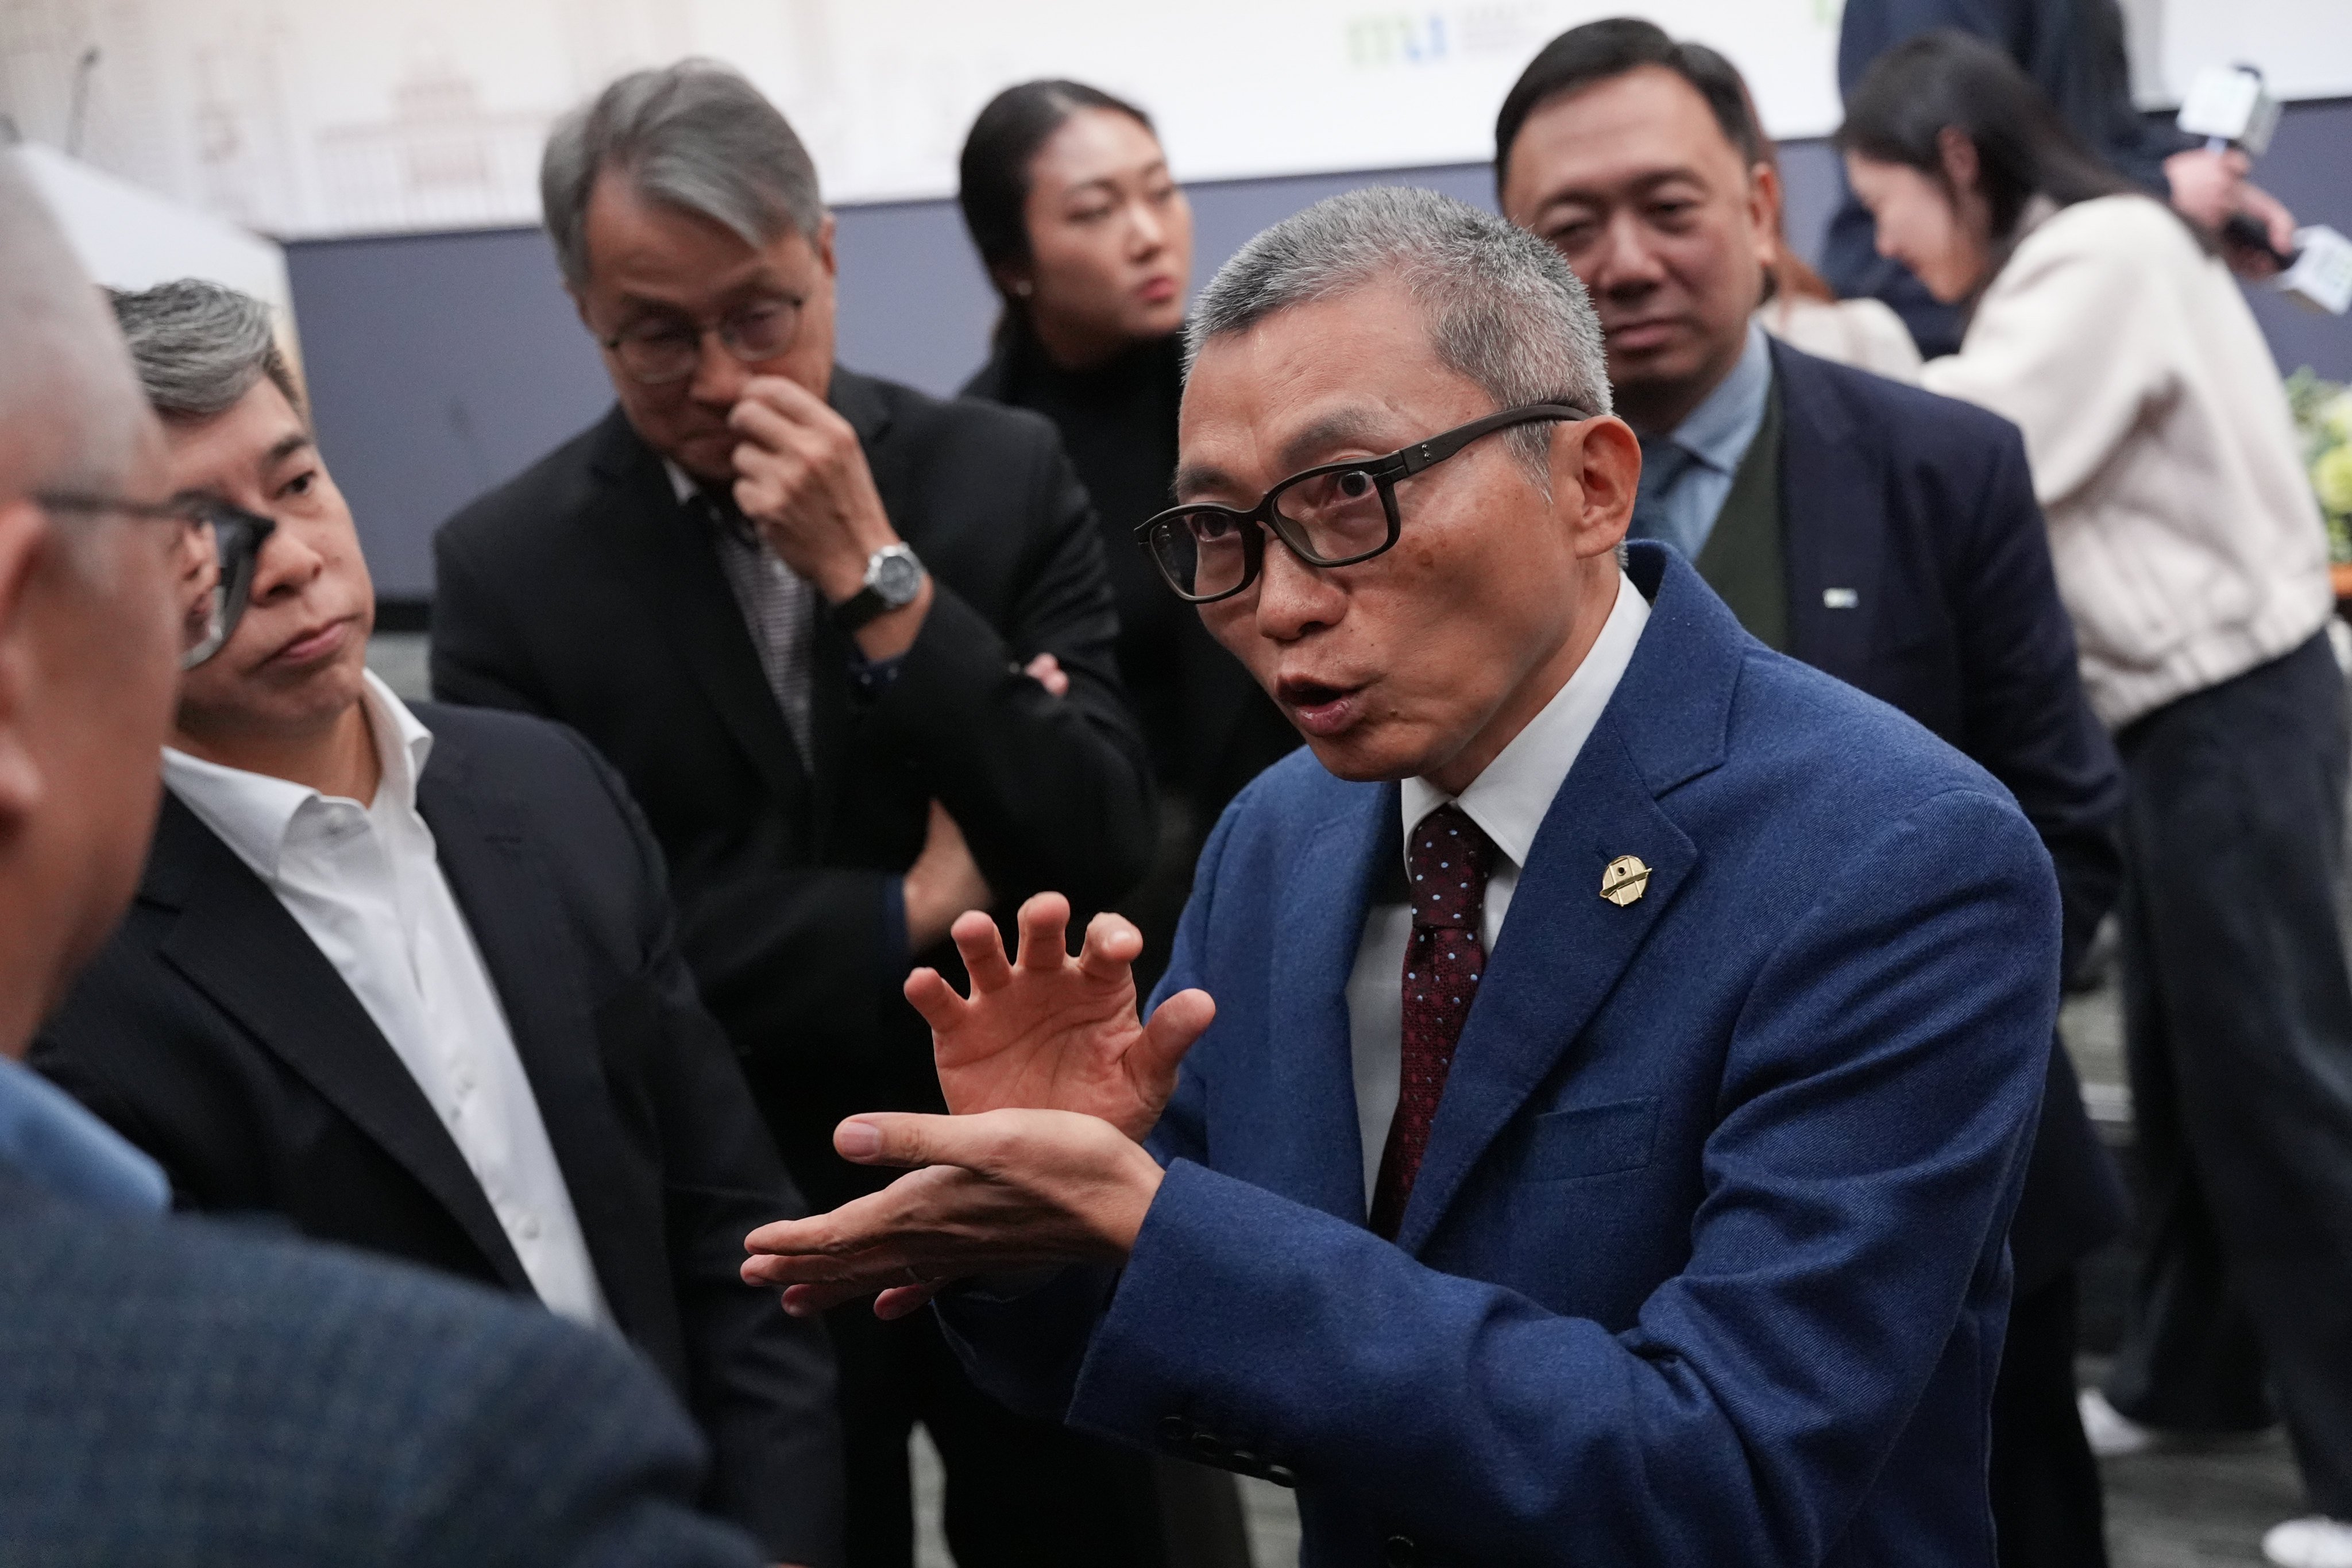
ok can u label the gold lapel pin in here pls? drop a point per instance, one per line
(1625, 880)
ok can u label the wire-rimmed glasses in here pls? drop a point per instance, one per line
(218, 553)
(1334, 515)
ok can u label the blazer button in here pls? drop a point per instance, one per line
(1282, 1476)
(1399, 1551)
(1175, 1430)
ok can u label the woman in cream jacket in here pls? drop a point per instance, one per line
(2190, 552)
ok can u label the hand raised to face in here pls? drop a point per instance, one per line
(1049, 1032)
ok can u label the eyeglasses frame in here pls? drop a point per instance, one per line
(1384, 472)
(238, 566)
(721, 328)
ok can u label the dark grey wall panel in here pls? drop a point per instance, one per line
(438, 364)
(442, 364)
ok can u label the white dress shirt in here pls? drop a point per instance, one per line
(365, 883)
(1507, 802)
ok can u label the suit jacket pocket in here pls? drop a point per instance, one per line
(1590, 1141)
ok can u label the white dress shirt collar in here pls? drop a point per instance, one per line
(1510, 798)
(253, 813)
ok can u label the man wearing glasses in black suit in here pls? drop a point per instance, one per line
(852, 648)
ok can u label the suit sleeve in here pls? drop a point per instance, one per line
(779, 953)
(1051, 793)
(1877, 1095)
(2027, 720)
(762, 1382)
(542, 1444)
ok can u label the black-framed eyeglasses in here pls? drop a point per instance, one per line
(662, 349)
(219, 552)
(1335, 515)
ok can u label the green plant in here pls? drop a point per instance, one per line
(2323, 417)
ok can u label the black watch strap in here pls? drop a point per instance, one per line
(865, 605)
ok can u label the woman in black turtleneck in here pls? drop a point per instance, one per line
(1089, 243)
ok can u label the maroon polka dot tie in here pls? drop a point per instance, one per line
(1448, 864)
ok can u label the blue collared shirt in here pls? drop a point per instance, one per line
(1687, 475)
(46, 1138)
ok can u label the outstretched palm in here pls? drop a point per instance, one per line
(1049, 1032)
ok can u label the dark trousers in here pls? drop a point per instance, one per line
(2046, 1508)
(1020, 1493)
(2238, 1036)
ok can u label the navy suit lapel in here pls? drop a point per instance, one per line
(1564, 946)
(508, 895)
(234, 943)
(1834, 519)
(1317, 1158)
(670, 556)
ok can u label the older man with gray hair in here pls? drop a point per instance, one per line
(852, 648)
(176, 1392)
(1624, 1039)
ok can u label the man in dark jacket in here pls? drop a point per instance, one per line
(851, 648)
(1875, 531)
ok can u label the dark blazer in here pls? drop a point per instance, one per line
(179, 1395)
(1919, 571)
(582, 590)
(1704, 1264)
(213, 1033)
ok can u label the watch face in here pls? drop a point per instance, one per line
(897, 577)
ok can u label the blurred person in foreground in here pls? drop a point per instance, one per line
(1087, 240)
(850, 649)
(1677, 1234)
(1884, 534)
(177, 1391)
(408, 977)
(2073, 51)
(2191, 552)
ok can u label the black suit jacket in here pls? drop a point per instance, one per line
(214, 1034)
(582, 590)
(1918, 568)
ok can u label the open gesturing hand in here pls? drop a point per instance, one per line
(1049, 1032)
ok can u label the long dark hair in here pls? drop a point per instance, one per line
(1948, 79)
(993, 173)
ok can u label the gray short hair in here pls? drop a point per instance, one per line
(1503, 308)
(695, 136)
(198, 347)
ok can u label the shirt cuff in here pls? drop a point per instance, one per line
(870, 678)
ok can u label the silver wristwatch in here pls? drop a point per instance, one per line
(893, 578)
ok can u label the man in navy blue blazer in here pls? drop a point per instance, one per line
(1871, 529)
(1676, 1236)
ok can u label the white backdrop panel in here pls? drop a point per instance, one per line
(320, 116)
